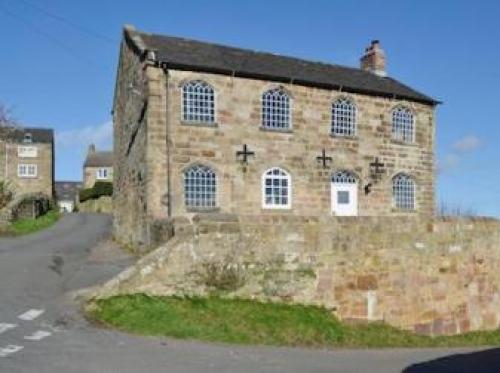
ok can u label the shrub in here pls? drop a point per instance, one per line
(6, 193)
(86, 194)
(100, 188)
(103, 188)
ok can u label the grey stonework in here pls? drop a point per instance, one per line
(153, 146)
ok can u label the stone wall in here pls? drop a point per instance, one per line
(90, 176)
(153, 147)
(238, 122)
(102, 205)
(130, 146)
(9, 161)
(431, 277)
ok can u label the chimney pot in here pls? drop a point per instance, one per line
(374, 59)
(91, 148)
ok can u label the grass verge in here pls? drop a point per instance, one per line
(27, 226)
(249, 322)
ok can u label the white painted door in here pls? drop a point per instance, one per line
(344, 195)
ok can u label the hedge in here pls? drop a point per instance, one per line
(100, 188)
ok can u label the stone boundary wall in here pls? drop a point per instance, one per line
(102, 205)
(432, 277)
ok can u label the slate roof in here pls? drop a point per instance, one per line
(67, 190)
(99, 159)
(38, 135)
(185, 54)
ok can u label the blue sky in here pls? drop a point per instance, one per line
(59, 60)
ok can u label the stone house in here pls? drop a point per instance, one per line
(200, 127)
(67, 195)
(98, 166)
(27, 160)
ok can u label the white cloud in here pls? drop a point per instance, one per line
(101, 135)
(466, 144)
(448, 163)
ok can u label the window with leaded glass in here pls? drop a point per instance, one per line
(402, 124)
(403, 191)
(198, 102)
(276, 189)
(200, 187)
(276, 109)
(343, 118)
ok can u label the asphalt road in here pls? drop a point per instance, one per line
(42, 330)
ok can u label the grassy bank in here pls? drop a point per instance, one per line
(249, 322)
(26, 226)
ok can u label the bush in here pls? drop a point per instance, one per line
(6, 193)
(100, 188)
(103, 188)
(86, 194)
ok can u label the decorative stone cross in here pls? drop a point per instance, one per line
(245, 153)
(323, 158)
(377, 167)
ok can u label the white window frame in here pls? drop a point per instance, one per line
(23, 170)
(201, 203)
(28, 138)
(285, 175)
(102, 173)
(344, 118)
(266, 95)
(401, 193)
(212, 119)
(24, 151)
(399, 124)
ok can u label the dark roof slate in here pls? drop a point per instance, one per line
(185, 54)
(99, 159)
(38, 135)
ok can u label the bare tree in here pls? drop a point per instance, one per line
(8, 123)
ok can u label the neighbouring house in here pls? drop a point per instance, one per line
(98, 166)
(27, 160)
(201, 127)
(67, 195)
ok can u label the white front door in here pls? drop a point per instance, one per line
(345, 199)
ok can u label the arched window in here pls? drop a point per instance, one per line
(276, 109)
(276, 189)
(343, 118)
(403, 191)
(402, 124)
(343, 177)
(200, 187)
(198, 102)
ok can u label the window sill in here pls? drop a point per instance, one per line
(202, 209)
(278, 130)
(276, 209)
(403, 143)
(27, 177)
(344, 137)
(199, 124)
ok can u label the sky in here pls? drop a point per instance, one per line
(59, 59)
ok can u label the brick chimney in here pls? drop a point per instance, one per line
(374, 59)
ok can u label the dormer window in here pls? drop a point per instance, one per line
(28, 138)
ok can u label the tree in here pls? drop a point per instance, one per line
(7, 121)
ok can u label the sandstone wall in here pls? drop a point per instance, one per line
(43, 182)
(238, 121)
(432, 277)
(102, 205)
(90, 176)
(130, 149)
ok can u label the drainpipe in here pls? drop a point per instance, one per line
(167, 122)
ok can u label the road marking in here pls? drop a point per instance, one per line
(4, 327)
(30, 315)
(9, 350)
(38, 335)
